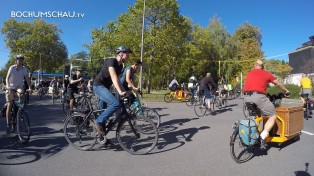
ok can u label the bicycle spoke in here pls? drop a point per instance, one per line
(23, 127)
(138, 135)
(79, 132)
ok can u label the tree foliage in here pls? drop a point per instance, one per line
(38, 41)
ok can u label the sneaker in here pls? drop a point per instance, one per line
(263, 144)
(98, 127)
(311, 113)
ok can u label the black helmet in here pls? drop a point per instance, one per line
(123, 49)
(19, 57)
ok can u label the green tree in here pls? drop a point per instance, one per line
(38, 41)
(249, 39)
(279, 68)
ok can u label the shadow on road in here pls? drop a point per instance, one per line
(45, 143)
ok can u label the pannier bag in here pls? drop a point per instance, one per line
(248, 131)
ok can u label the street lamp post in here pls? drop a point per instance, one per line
(142, 47)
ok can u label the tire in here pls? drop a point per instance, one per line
(23, 127)
(144, 103)
(240, 152)
(168, 97)
(153, 115)
(218, 103)
(200, 108)
(190, 102)
(137, 135)
(248, 113)
(79, 132)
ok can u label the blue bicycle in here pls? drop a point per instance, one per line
(137, 107)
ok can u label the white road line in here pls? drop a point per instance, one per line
(307, 133)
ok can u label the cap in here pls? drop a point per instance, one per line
(66, 76)
(208, 74)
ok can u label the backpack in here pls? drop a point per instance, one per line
(248, 132)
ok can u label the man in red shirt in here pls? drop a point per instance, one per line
(255, 87)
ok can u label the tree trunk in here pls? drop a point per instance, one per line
(150, 73)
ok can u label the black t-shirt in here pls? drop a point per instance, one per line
(208, 81)
(74, 85)
(103, 77)
(66, 83)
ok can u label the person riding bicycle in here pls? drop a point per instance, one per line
(306, 88)
(54, 84)
(14, 81)
(73, 86)
(205, 89)
(255, 87)
(108, 75)
(174, 85)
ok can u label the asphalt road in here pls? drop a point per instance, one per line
(188, 145)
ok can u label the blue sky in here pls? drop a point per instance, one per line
(285, 24)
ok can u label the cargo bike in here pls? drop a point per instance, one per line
(245, 142)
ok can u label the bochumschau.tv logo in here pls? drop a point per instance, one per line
(46, 14)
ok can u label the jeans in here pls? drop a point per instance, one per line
(113, 103)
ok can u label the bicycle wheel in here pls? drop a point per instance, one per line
(137, 135)
(218, 103)
(168, 97)
(248, 113)
(240, 152)
(23, 127)
(144, 103)
(79, 132)
(153, 115)
(200, 108)
(190, 102)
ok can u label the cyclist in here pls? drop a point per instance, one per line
(255, 86)
(54, 84)
(73, 86)
(66, 82)
(128, 75)
(108, 75)
(306, 88)
(174, 85)
(205, 89)
(14, 81)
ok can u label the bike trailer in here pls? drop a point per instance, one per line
(248, 131)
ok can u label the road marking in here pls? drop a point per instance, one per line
(307, 133)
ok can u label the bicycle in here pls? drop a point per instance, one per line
(242, 149)
(135, 133)
(54, 95)
(19, 122)
(308, 106)
(201, 107)
(194, 97)
(137, 108)
(80, 103)
(179, 95)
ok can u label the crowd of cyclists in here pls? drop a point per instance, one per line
(114, 74)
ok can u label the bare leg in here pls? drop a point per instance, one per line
(8, 113)
(268, 126)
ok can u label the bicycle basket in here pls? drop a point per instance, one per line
(248, 132)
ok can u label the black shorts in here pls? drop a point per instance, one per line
(71, 93)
